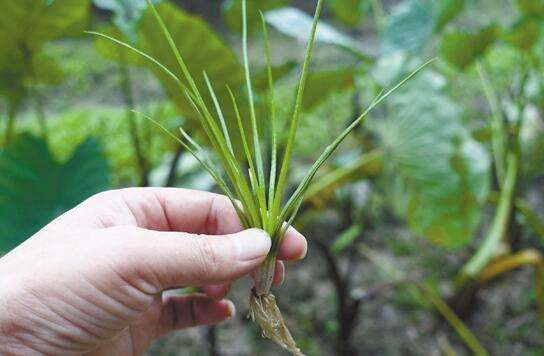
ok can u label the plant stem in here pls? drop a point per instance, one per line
(211, 336)
(455, 322)
(499, 225)
(504, 264)
(497, 123)
(265, 276)
(347, 309)
(128, 96)
(171, 178)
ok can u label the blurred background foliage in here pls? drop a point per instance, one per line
(426, 229)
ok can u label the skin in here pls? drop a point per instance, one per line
(95, 280)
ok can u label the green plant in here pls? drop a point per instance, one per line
(27, 26)
(258, 197)
(35, 187)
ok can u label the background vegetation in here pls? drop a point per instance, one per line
(425, 230)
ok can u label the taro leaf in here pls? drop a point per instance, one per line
(127, 13)
(201, 48)
(524, 34)
(297, 24)
(350, 12)
(446, 172)
(412, 23)
(33, 22)
(113, 51)
(409, 27)
(321, 84)
(26, 25)
(47, 70)
(35, 188)
(445, 11)
(531, 7)
(232, 12)
(462, 48)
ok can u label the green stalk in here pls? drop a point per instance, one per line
(499, 226)
(497, 123)
(455, 322)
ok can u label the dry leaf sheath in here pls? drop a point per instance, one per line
(258, 197)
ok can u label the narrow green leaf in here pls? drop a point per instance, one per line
(219, 113)
(273, 123)
(296, 113)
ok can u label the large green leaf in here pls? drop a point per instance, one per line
(409, 27)
(34, 22)
(412, 23)
(524, 34)
(321, 84)
(445, 170)
(350, 12)
(35, 188)
(297, 24)
(26, 25)
(113, 51)
(531, 7)
(462, 48)
(47, 70)
(201, 48)
(232, 12)
(446, 10)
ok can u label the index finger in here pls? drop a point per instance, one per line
(171, 209)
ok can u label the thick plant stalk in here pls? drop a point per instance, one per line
(498, 228)
(264, 310)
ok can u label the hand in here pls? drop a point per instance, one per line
(92, 281)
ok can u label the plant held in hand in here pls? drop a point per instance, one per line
(256, 188)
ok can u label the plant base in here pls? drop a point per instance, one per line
(264, 310)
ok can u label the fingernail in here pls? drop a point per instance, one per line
(231, 308)
(305, 249)
(251, 244)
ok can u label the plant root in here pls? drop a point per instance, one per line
(264, 310)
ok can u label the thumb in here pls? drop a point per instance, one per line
(170, 259)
